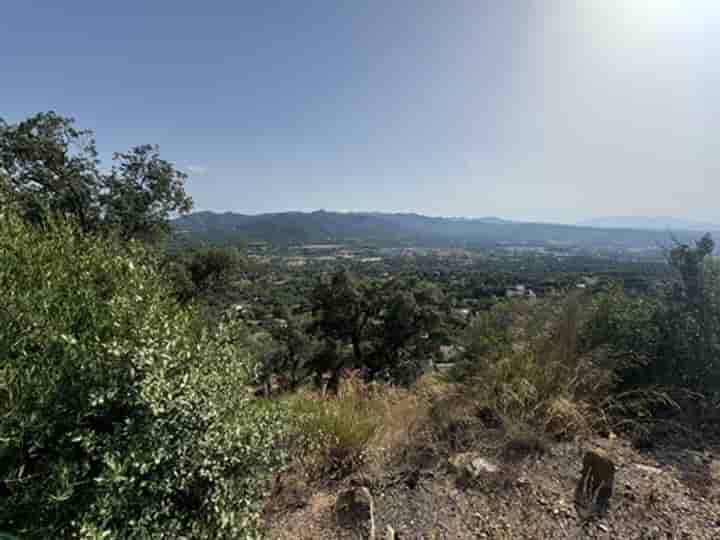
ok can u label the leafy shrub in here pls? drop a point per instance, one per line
(118, 418)
(664, 350)
(681, 340)
(626, 331)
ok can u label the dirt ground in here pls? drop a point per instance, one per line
(671, 492)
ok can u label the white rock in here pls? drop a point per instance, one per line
(648, 469)
(480, 466)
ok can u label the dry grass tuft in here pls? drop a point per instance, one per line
(524, 441)
(565, 418)
(330, 434)
(363, 425)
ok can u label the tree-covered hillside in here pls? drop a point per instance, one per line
(290, 228)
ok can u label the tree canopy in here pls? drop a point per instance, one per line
(52, 167)
(391, 327)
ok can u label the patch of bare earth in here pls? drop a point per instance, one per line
(669, 493)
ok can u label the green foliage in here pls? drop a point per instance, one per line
(7, 196)
(118, 419)
(394, 327)
(627, 332)
(711, 319)
(204, 274)
(53, 168)
(293, 351)
(488, 337)
(142, 192)
(672, 340)
(344, 306)
(409, 330)
(691, 333)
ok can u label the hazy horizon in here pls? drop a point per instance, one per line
(544, 112)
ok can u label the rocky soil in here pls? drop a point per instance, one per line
(671, 492)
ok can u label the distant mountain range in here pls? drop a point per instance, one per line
(650, 223)
(385, 229)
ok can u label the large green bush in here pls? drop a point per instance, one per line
(118, 418)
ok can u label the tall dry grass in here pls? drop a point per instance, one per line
(361, 425)
(534, 377)
(524, 381)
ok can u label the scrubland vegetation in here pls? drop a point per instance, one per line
(139, 399)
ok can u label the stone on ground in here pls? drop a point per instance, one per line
(597, 478)
(354, 509)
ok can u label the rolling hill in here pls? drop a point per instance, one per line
(385, 229)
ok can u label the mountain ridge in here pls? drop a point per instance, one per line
(292, 228)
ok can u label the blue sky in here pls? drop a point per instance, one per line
(552, 111)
